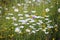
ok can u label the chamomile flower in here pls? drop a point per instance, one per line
(15, 24)
(59, 10)
(20, 14)
(16, 10)
(46, 32)
(25, 11)
(7, 17)
(33, 11)
(10, 13)
(47, 9)
(27, 30)
(13, 18)
(17, 29)
(29, 1)
(33, 31)
(21, 26)
(19, 4)
(26, 15)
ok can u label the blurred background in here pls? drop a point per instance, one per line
(29, 19)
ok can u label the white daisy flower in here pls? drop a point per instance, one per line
(46, 15)
(38, 16)
(25, 11)
(27, 23)
(7, 17)
(23, 21)
(21, 18)
(27, 30)
(32, 20)
(29, 1)
(33, 24)
(28, 19)
(33, 11)
(15, 24)
(37, 30)
(10, 13)
(47, 9)
(21, 26)
(46, 19)
(46, 32)
(19, 4)
(20, 14)
(59, 10)
(26, 15)
(13, 18)
(40, 21)
(13, 7)
(50, 26)
(34, 16)
(17, 29)
(16, 10)
(6, 8)
(33, 31)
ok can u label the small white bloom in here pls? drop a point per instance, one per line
(25, 11)
(38, 16)
(6, 8)
(46, 19)
(32, 20)
(27, 30)
(50, 26)
(16, 10)
(26, 15)
(10, 13)
(19, 4)
(20, 14)
(13, 7)
(33, 24)
(29, 1)
(13, 18)
(37, 30)
(7, 17)
(23, 21)
(33, 31)
(27, 23)
(20, 17)
(28, 19)
(17, 29)
(51, 7)
(21, 26)
(33, 11)
(15, 24)
(46, 32)
(47, 9)
(40, 21)
(46, 15)
(59, 10)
